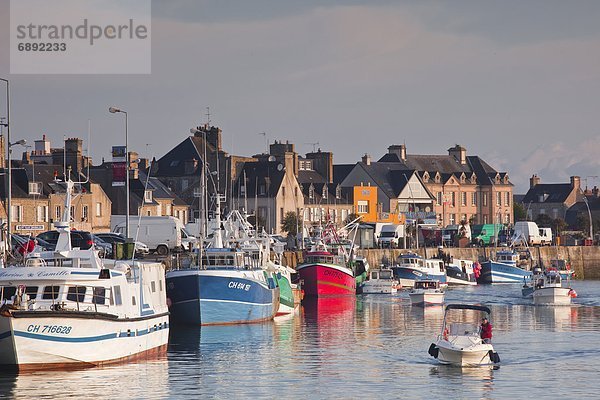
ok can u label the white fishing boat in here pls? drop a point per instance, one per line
(462, 272)
(546, 288)
(426, 291)
(381, 281)
(69, 308)
(460, 343)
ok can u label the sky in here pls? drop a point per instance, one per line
(515, 82)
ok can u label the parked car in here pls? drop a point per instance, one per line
(112, 237)
(40, 242)
(104, 248)
(79, 239)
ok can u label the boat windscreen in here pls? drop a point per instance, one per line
(467, 307)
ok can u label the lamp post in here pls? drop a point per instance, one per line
(590, 216)
(7, 140)
(114, 110)
(9, 146)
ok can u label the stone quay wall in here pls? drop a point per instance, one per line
(585, 260)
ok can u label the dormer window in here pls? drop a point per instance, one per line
(148, 196)
(324, 192)
(438, 178)
(35, 187)
(505, 179)
(338, 192)
(473, 179)
(497, 178)
(311, 192)
(463, 178)
(426, 177)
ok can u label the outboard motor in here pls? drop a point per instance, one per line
(433, 350)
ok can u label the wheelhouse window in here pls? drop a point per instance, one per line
(117, 292)
(50, 292)
(31, 291)
(99, 296)
(8, 292)
(76, 293)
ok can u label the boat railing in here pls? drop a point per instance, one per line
(101, 298)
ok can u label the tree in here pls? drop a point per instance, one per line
(519, 212)
(544, 221)
(290, 223)
(351, 218)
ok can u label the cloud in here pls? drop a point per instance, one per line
(557, 162)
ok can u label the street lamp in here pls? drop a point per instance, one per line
(8, 216)
(21, 142)
(114, 110)
(590, 216)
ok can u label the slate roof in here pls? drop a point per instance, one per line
(44, 173)
(549, 193)
(346, 193)
(191, 148)
(260, 173)
(447, 166)
(341, 171)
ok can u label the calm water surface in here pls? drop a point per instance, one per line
(373, 346)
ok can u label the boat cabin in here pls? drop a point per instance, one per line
(386, 274)
(507, 257)
(224, 258)
(427, 284)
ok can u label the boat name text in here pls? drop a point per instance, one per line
(60, 329)
(239, 285)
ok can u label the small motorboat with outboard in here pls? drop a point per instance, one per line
(460, 341)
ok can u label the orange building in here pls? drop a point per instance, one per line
(365, 205)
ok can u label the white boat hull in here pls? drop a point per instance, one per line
(427, 298)
(473, 358)
(371, 287)
(552, 296)
(38, 342)
(468, 356)
(453, 281)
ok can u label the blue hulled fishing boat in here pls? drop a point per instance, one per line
(504, 269)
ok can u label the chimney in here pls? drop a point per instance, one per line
(459, 153)
(399, 150)
(575, 182)
(366, 159)
(322, 163)
(534, 180)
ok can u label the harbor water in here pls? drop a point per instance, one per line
(372, 346)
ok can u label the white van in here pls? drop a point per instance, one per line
(161, 234)
(527, 232)
(390, 235)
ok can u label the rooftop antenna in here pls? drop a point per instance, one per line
(207, 117)
(314, 145)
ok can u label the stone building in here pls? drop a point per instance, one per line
(551, 199)
(464, 187)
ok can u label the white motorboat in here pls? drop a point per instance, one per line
(426, 291)
(546, 288)
(462, 272)
(460, 343)
(381, 281)
(69, 308)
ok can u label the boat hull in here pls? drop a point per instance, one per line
(379, 287)
(423, 299)
(552, 296)
(495, 272)
(35, 340)
(213, 297)
(464, 358)
(287, 304)
(407, 275)
(469, 356)
(321, 280)
(454, 276)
